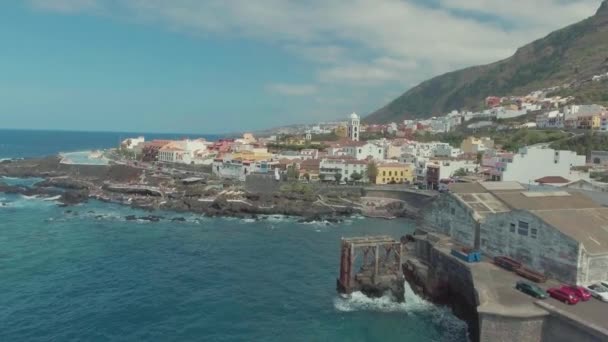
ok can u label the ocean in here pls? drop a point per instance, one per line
(25, 143)
(85, 273)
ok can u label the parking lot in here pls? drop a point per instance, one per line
(496, 288)
(592, 311)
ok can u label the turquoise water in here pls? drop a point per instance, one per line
(83, 158)
(90, 275)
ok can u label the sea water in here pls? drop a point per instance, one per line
(85, 273)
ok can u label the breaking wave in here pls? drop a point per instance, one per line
(357, 301)
(449, 324)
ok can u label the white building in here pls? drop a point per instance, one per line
(329, 167)
(361, 150)
(391, 128)
(445, 150)
(503, 113)
(427, 150)
(130, 143)
(440, 125)
(182, 151)
(535, 162)
(449, 166)
(354, 127)
(237, 169)
(552, 119)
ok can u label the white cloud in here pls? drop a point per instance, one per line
(292, 89)
(360, 42)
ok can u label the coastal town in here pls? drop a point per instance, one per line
(536, 214)
(389, 170)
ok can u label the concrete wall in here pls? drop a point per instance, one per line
(551, 252)
(498, 328)
(449, 282)
(449, 216)
(593, 268)
(413, 199)
(561, 326)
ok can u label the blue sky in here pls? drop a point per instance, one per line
(222, 66)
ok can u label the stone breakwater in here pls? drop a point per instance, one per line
(162, 188)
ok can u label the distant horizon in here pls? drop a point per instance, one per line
(108, 131)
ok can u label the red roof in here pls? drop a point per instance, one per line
(552, 180)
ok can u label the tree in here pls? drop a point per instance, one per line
(322, 177)
(460, 172)
(372, 171)
(307, 176)
(479, 157)
(338, 177)
(292, 172)
(355, 176)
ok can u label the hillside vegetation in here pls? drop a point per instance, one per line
(510, 140)
(567, 56)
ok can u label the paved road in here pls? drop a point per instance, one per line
(593, 311)
(497, 293)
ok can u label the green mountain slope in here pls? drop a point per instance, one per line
(569, 55)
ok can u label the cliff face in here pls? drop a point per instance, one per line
(575, 53)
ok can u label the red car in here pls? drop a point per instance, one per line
(563, 296)
(578, 291)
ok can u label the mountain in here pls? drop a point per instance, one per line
(570, 55)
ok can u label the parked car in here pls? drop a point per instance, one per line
(604, 284)
(598, 291)
(578, 291)
(531, 275)
(531, 289)
(507, 263)
(563, 296)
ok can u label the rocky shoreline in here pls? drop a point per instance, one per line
(152, 188)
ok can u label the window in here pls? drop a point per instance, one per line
(523, 228)
(401, 173)
(533, 233)
(360, 151)
(384, 173)
(390, 173)
(512, 228)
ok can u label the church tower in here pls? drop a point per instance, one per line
(353, 127)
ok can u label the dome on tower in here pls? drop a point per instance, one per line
(354, 116)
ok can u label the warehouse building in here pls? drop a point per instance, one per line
(559, 233)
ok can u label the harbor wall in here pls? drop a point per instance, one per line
(436, 275)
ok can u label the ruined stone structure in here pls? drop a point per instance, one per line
(380, 261)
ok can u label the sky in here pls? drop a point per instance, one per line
(217, 66)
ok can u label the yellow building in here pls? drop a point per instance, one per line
(392, 173)
(341, 131)
(473, 145)
(591, 121)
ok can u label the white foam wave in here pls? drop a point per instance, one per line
(54, 198)
(33, 197)
(277, 218)
(357, 301)
(450, 326)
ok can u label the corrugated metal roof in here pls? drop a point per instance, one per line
(587, 226)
